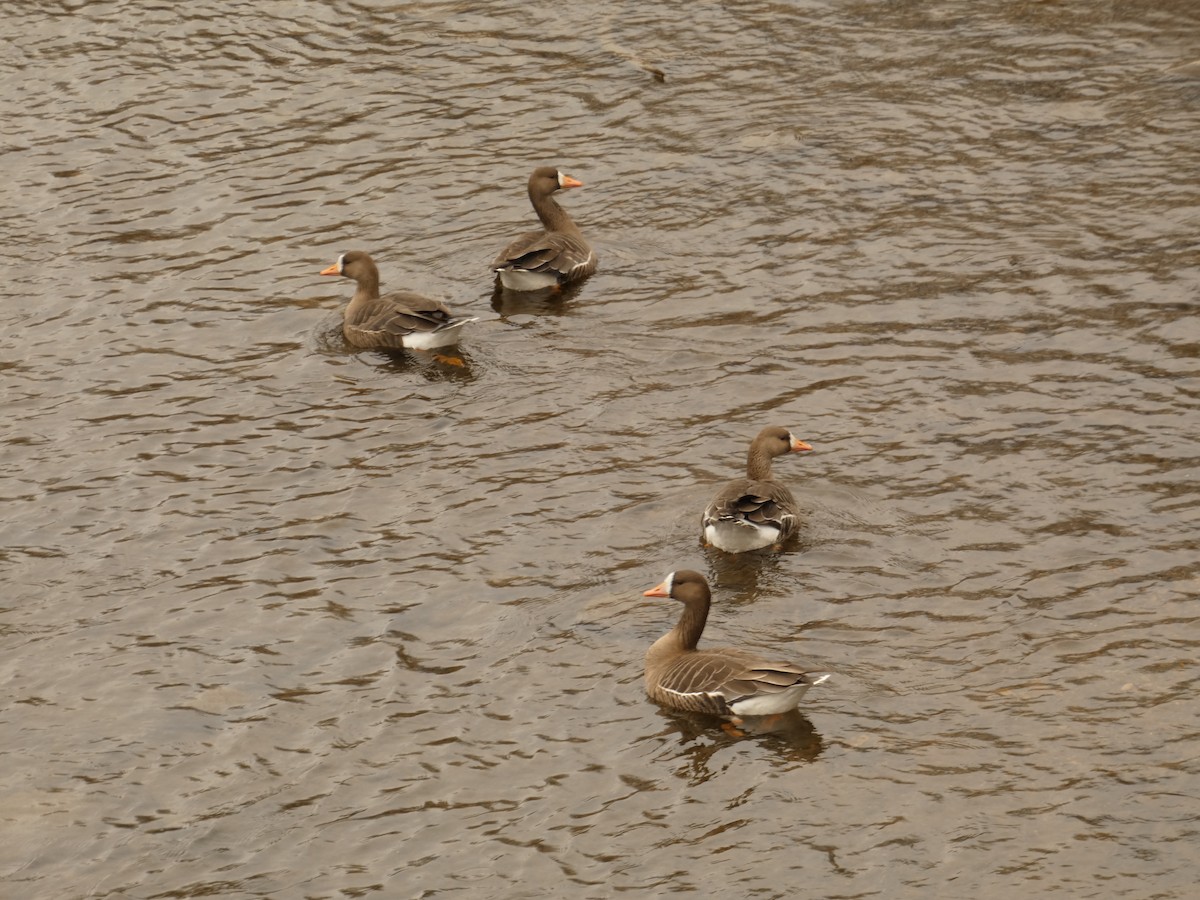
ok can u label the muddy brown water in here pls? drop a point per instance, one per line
(282, 619)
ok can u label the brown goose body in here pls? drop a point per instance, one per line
(756, 511)
(720, 681)
(558, 253)
(401, 319)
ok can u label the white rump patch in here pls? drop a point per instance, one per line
(524, 280)
(737, 536)
(771, 704)
(430, 340)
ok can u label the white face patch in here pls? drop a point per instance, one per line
(342, 263)
(669, 581)
(560, 179)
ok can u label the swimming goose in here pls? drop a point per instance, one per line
(724, 681)
(557, 254)
(399, 319)
(754, 512)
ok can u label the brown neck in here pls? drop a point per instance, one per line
(552, 216)
(684, 637)
(367, 279)
(758, 464)
(686, 633)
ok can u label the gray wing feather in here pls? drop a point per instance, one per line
(541, 251)
(386, 320)
(709, 681)
(754, 503)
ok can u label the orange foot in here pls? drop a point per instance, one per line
(450, 360)
(732, 730)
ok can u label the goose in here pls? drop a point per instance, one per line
(721, 681)
(395, 320)
(754, 512)
(555, 255)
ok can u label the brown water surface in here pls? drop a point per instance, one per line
(282, 619)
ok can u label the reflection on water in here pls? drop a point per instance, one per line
(287, 619)
(548, 301)
(790, 737)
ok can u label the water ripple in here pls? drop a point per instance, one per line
(285, 618)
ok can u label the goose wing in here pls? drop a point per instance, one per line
(754, 504)
(567, 255)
